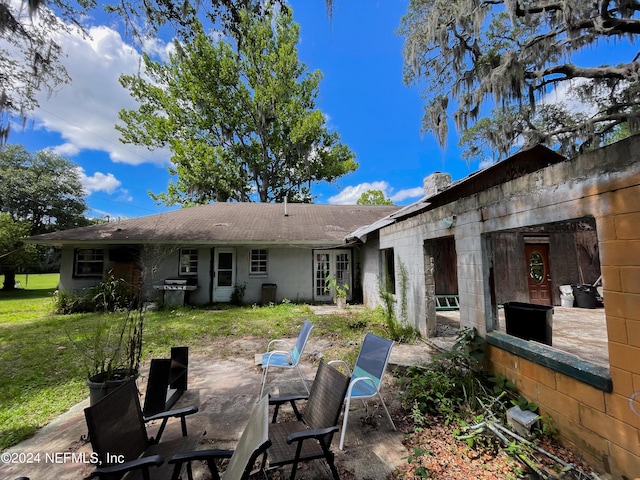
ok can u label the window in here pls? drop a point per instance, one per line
(89, 262)
(188, 261)
(258, 263)
(388, 269)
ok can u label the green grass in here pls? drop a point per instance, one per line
(43, 375)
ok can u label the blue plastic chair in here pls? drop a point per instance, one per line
(283, 356)
(367, 375)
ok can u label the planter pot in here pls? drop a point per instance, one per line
(341, 302)
(100, 388)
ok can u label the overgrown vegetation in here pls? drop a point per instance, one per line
(398, 330)
(455, 390)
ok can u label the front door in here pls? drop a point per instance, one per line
(333, 264)
(538, 274)
(224, 268)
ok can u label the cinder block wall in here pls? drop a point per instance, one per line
(603, 427)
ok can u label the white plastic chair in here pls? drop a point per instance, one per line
(367, 375)
(285, 356)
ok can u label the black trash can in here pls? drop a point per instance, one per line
(529, 321)
(585, 295)
(269, 293)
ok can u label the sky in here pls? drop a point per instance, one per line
(362, 95)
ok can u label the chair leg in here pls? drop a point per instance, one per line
(344, 422)
(304, 382)
(387, 412)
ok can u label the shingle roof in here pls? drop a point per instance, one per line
(230, 222)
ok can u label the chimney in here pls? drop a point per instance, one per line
(286, 211)
(436, 183)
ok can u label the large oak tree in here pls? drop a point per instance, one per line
(468, 54)
(238, 114)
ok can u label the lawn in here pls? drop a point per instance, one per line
(43, 374)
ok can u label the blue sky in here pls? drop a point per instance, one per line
(362, 94)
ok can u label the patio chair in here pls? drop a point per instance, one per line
(119, 438)
(309, 437)
(253, 443)
(284, 356)
(367, 375)
(166, 384)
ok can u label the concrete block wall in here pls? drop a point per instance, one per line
(604, 184)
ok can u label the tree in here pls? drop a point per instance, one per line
(238, 115)
(30, 31)
(516, 52)
(42, 189)
(13, 253)
(373, 197)
(30, 53)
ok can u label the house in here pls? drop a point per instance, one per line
(516, 231)
(202, 254)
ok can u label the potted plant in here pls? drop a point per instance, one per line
(112, 346)
(339, 290)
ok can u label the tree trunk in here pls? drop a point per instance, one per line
(9, 279)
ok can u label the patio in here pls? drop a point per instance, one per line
(225, 390)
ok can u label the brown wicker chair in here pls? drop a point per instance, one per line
(310, 437)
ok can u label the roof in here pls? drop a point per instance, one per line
(518, 165)
(229, 223)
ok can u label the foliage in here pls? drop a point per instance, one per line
(237, 295)
(112, 345)
(452, 383)
(238, 114)
(30, 56)
(517, 53)
(30, 53)
(13, 253)
(110, 295)
(397, 331)
(339, 289)
(42, 189)
(373, 197)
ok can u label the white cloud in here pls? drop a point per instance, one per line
(351, 194)
(85, 111)
(99, 182)
(417, 192)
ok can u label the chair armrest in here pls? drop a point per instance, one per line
(279, 341)
(342, 363)
(138, 463)
(177, 413)
(315, 433)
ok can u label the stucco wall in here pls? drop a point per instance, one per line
(604, 184)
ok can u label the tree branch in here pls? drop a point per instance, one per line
(629, 71)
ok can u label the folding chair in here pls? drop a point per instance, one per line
(285, 357)
(253, 443)
(367, 375)
(309, 438)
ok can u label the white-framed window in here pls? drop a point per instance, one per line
(89, 262)
(259, 262)
(188, 261)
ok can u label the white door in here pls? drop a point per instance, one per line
(224, 267)
(333, 264)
